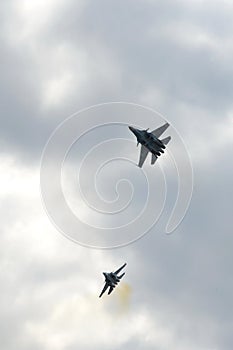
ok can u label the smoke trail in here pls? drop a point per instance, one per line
(123, 294)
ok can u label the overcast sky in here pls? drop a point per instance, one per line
(58, 57)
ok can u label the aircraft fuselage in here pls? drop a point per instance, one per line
(147, 139)
(111, 278)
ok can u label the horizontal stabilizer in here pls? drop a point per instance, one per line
(104, 290)
(153, 159)
(143, 155)
(166, 140)
(110, 290)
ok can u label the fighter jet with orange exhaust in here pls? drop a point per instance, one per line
(150, 142)
(111, 280)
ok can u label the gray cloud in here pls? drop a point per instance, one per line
(178, 57)
(114, 52)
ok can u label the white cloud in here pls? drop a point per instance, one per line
(16, 179)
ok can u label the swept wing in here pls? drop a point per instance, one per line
(119, 270)
(159, 131)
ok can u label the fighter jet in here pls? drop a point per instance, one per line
(150, 142)
(111, 280)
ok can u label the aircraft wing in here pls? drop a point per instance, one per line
(143, 155)
(110, 290)
(159, 131)
(104, 290)
(117, 271)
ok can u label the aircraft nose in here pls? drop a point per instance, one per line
(134, 131)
